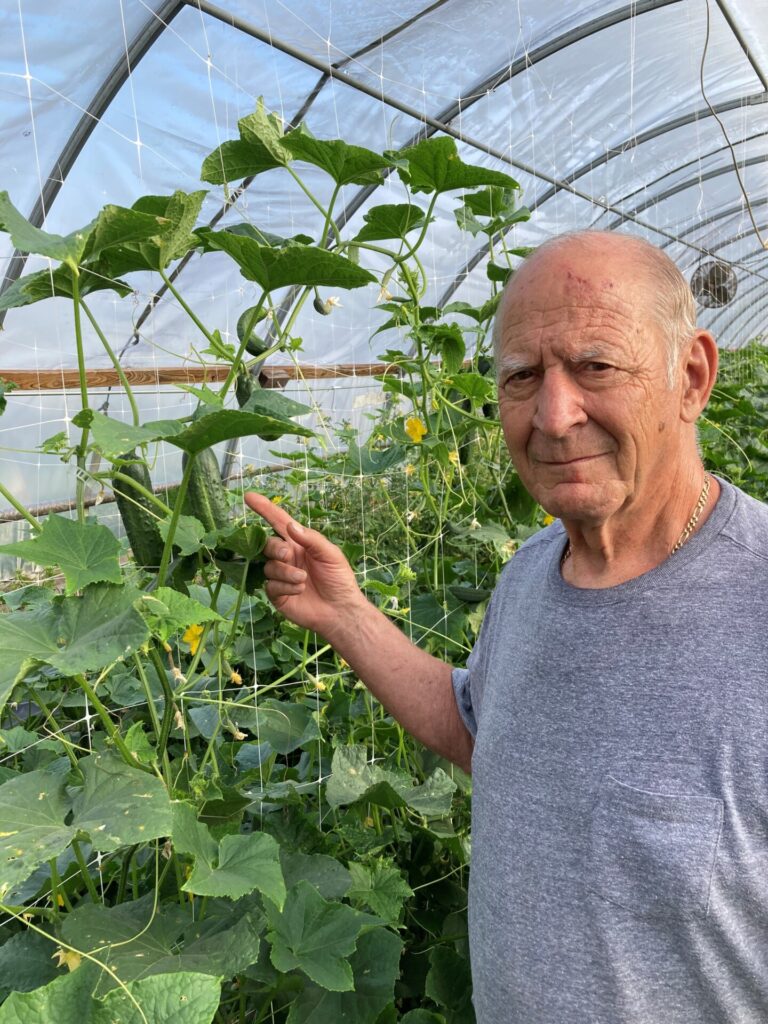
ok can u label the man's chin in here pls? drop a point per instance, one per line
(581, 501)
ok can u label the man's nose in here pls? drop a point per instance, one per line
(559, 404)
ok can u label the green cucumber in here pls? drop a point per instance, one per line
(243, 386)
(206, 494)
(255, 345)
(136, 511)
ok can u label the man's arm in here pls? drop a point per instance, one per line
(310, 581)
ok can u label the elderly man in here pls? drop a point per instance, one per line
(615, 708)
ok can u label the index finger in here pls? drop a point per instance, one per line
(277, 517)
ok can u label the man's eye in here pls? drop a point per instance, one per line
(518, 377)
(598, 367)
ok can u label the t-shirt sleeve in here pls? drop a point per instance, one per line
(469, 682)
(462, 689)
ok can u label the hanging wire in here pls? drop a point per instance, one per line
(714, 114)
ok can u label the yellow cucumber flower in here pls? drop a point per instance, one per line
(192, 636)
(415, 429)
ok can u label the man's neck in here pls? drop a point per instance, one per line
(627, 545)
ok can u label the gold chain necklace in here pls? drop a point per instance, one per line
(690, 526)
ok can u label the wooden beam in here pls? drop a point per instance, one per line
(270, 376)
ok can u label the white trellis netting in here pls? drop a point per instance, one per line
(634, 116)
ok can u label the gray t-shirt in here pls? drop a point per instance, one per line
(620, 803)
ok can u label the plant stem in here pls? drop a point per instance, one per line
(45, 912)
(316, 203)
(141, 489)
(127, 858)
(20, 509)
(167, 724)
(328, 221)
(235, 613)
(85, 873)
(112, 732)
(162, 572)
(56, 892)
(82, 448)
(54, 726)
(284, 331)
(115, 362)
(195, 320)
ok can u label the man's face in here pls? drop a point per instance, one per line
(590, 421)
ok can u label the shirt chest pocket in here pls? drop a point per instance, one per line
(653, 853)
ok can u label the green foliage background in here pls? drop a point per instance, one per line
(203, 814)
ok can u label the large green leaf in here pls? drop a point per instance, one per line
(182, 998)
(498, 205)
(189, 534)
(117, 225)
(113, 437)
(246, 541)
(363, 460)
(33, 808)
(236, 866)
(137, 940)
(95, 629)
(316, 936)
(245, 863)
(449, 983)
(268, 402)
(46, 284)
(224, 424)
(354, 778)
(260, 148)
(73, 634)
(85, 552)
(293, 264)
(179, 213)
(265, 129)
(236, 159)
(331, 879)
(447, 341)
(174, 218)
(381, 887)
(281, 723)
(25, 962)
(347, 165)
(375, 969)
(191, 836)
(27, 238)
(116, 807)
(390, 221)
(65, 1000)
(119, 806)
(167, 611)
(434, 165)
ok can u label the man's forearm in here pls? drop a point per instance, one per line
(413, 686)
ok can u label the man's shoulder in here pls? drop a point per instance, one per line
(537, 549)
(747, 526)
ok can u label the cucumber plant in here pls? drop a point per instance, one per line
(201, 814)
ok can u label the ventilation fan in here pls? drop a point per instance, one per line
(714, 284)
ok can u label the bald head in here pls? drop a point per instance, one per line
(668, 298)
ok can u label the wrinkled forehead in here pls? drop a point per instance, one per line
(581, 287)
(576, 310)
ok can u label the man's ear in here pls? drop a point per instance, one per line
(699, 370)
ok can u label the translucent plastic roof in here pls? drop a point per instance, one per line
(633, 116)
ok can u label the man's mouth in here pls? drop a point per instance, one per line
(575, 460)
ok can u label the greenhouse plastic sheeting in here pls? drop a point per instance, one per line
(603, 111)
